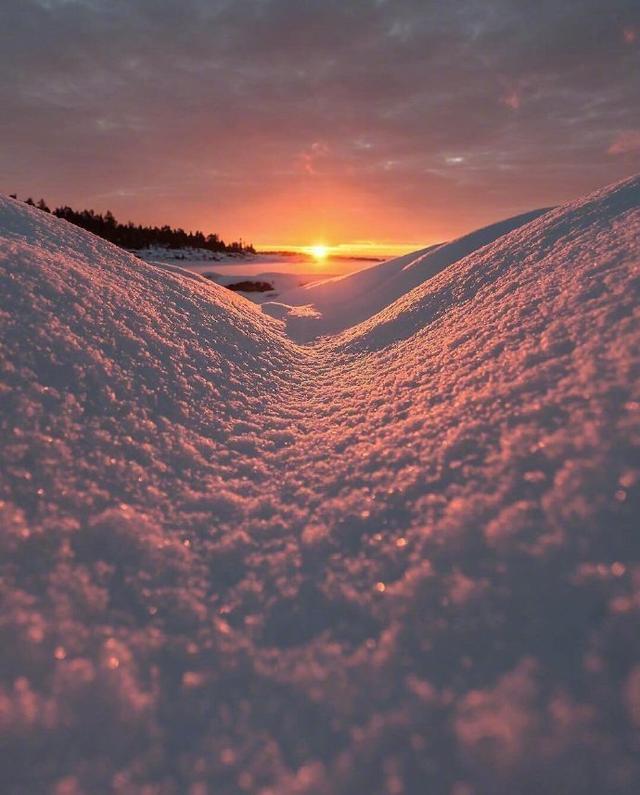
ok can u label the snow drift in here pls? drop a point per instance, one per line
(402, 560)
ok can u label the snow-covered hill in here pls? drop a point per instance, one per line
(330, 306)
(404, 559)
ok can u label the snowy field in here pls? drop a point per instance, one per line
(285, 273)
(254, 265)
(402, 559)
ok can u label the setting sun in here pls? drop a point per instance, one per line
(319, 252)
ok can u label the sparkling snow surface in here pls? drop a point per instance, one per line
(405, 559)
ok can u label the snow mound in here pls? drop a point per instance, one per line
(404, 559)
(344, 301)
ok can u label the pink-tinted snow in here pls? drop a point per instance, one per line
(402, 560)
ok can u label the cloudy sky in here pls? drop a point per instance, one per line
(300, 121)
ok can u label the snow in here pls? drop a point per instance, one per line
(293, 267)
(283, 273)
(402, 559)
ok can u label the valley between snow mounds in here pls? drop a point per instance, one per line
(401, 559)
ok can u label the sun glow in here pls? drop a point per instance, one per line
(319, 252)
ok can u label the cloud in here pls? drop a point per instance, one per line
(512, 99)
(308, 159)
(625, 142)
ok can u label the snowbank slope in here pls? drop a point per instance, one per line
(403, 560)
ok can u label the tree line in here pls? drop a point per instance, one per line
(135, 237)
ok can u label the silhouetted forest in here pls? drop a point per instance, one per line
(132, 236)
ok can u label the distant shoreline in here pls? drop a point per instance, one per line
(311, 258)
